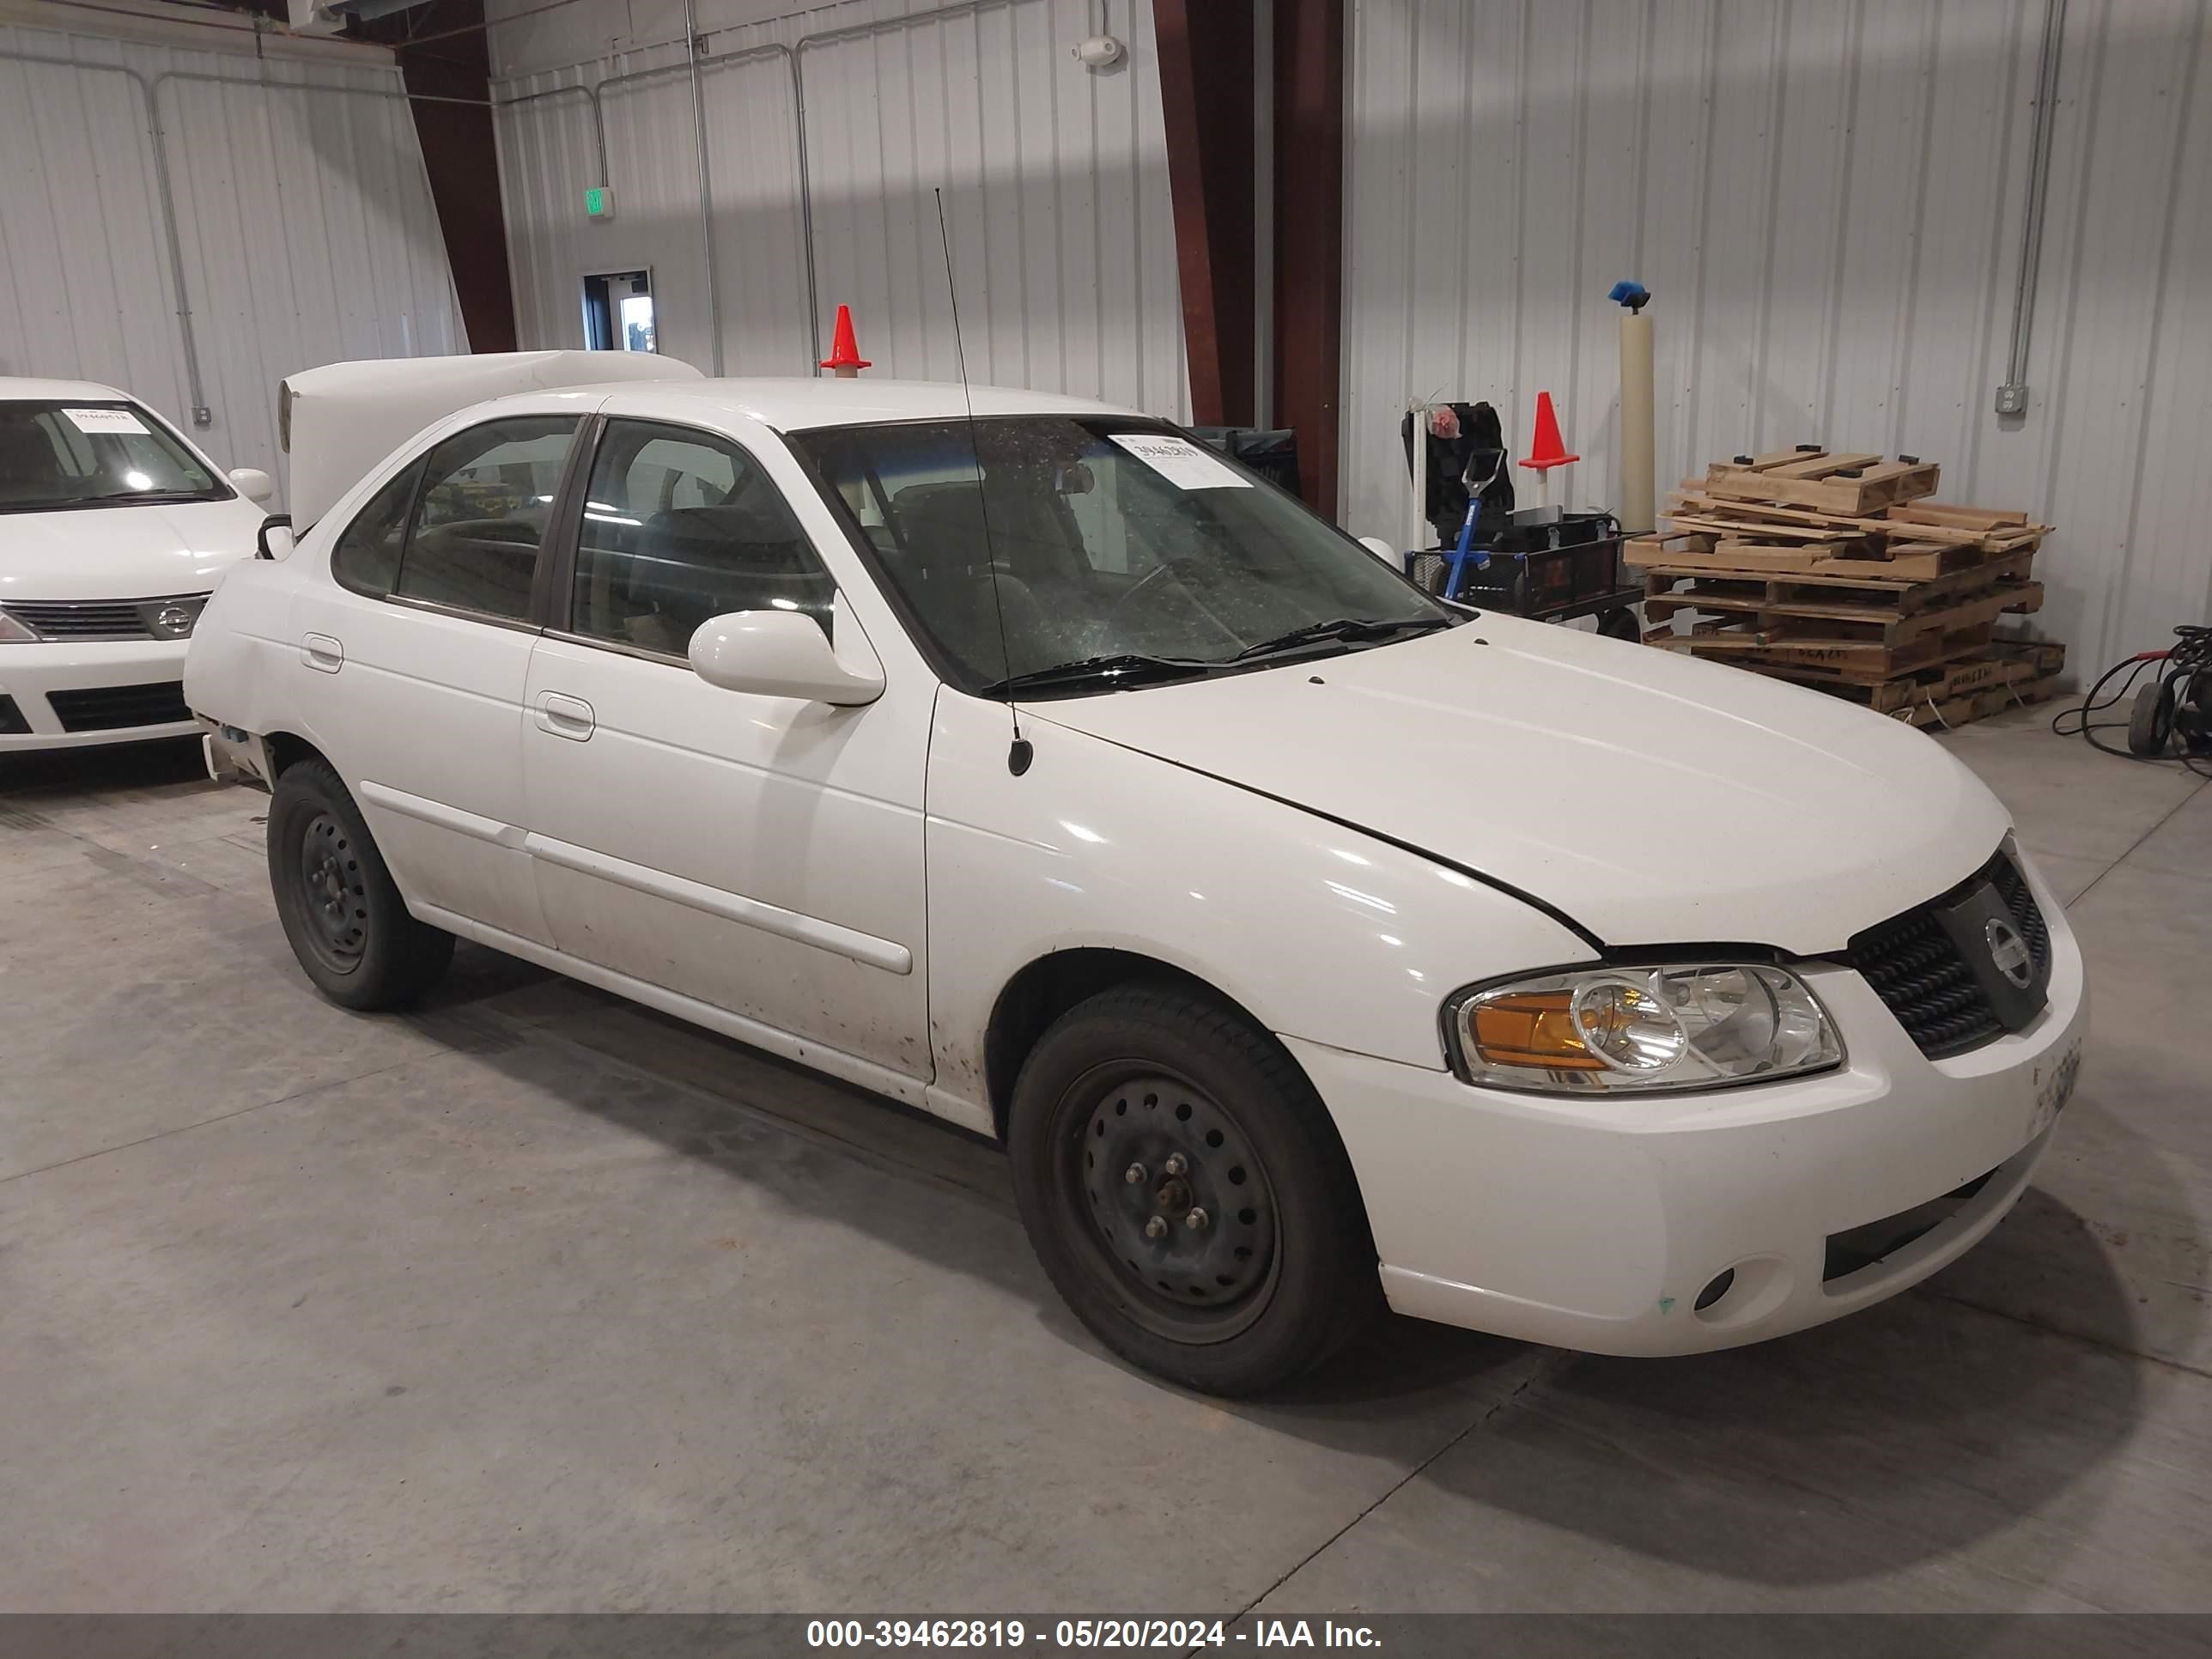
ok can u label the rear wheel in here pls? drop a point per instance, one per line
(1186, 1191)
(340, 909)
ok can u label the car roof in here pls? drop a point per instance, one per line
(801, 404)
(17, 389)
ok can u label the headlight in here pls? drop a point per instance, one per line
(1611, 1030)
(13, 631)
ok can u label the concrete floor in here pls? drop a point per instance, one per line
(533, 1300)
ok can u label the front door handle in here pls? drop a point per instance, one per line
(565, 716)
(322, 652)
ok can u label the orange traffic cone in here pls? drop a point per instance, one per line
(1548, 451)
(846, 362)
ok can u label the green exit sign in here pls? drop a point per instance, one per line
(598, 203)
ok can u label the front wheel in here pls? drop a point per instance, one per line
(341, 910)
(1188, 1196)
(1620, 623)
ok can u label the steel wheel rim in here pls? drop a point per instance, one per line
(333, 900)
(1209, 1273)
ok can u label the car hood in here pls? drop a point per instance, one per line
(123, 552)
(1652, 799)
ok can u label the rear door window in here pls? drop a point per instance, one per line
(486, 503)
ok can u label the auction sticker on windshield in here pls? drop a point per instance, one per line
(1180, 462)
(104, 420)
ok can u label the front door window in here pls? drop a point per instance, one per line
(680, 525)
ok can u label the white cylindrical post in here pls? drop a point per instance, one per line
(1638, 473)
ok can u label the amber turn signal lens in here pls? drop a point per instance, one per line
(1532, 1028)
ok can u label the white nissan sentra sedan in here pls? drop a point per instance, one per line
(1311, 944)
(113, 529)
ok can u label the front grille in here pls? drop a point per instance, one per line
(1918, 970)
(12, 723)
(109, 619)
(113, 708)
(2027, 916)
(116, 620)
(1915, 969)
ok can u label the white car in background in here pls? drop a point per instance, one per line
(1310, 943)
(114, 528)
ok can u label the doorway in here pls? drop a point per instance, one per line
(618, 311)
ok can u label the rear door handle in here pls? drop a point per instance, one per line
(322, 652)
(565, 716)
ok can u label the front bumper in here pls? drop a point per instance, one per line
(30, 675)
(1596, 1224)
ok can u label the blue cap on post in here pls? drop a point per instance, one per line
(1634, 296)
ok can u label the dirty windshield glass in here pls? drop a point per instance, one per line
(1100, 542)
(59, 455)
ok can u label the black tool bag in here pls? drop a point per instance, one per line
(1478, 453)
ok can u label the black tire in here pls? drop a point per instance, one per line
(345, 919)
(2150, 722)
(1620, 623)
(1281, 1271)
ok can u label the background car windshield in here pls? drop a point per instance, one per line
(55, 455)
(1108, 537)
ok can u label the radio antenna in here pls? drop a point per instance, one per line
(1020, 756)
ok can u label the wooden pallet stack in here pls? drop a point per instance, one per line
(1836, 570)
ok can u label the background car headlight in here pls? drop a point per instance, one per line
(1611, 1031)
(12, 632)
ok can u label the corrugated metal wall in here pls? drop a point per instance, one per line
(548, 158)
(1054, 180)
(1825, 197)
(305, 217)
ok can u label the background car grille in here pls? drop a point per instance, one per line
(112, 708)
(107, 619)
(1917, 971)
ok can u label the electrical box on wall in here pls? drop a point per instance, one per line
(598, 203)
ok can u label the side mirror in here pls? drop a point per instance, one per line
(1382, 550)
(273, 540)
(253, 484)
(778, 653)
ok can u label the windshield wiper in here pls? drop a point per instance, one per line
(1346, 629)
(1124, 668)
(125, 498)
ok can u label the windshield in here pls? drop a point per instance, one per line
(59, 455)
(1118, 552)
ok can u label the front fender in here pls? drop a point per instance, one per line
(1324, 933)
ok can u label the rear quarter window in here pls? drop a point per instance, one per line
(366, 557)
